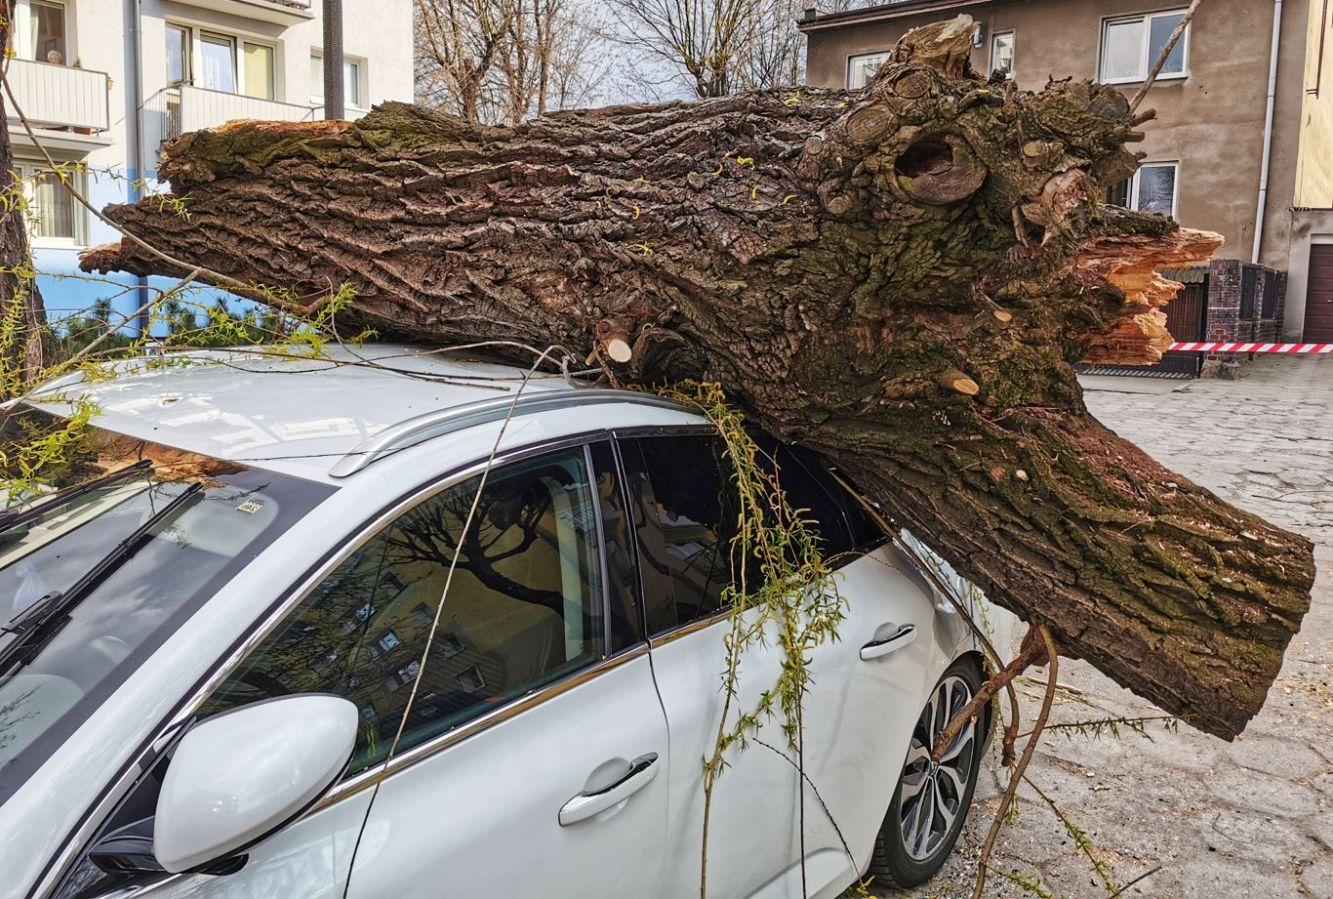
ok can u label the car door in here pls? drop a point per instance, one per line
(684, 512)
(533, 761)
(858, 715)
(867, 687)
(522, 754)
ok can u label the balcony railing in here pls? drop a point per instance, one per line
(171, 113)
(281, 11)
(54, 96)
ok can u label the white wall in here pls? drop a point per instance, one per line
(377, 31)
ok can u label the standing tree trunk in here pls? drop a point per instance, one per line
(25, 340)
(900, 278)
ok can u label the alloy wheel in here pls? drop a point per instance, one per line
(930, 795)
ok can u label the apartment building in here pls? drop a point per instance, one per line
(91, 76)
(1226, 153)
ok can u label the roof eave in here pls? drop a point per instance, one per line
(881, 13)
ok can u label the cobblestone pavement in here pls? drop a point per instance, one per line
(1251, 819)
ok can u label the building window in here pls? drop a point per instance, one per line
(860, 69)
(49, 32)
(259, 71)
(178, 54)
(217, 62)
(1152, 189)
(1002, 53)
(53, 215)
(354, 81)
(1131, 45)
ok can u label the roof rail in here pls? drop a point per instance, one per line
(411, 431)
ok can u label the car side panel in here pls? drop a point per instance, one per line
(481, 817)
(859, 713)
(310, 859)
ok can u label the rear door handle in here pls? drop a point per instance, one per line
(583, 806)
(900, 638)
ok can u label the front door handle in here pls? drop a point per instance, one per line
(583, 806)
(900, 638)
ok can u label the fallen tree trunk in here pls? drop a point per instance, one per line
(898, 277)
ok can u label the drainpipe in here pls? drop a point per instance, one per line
(333, 59)
(134, 134)
(1266, 157)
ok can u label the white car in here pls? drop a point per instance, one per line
(227, 671)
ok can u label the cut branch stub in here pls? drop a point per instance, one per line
(839, 283)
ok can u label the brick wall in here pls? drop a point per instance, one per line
(1223, 299)
(1225, 279)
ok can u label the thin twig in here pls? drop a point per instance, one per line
(988, 846)
(1170, 45)
(1080, 839)
(1144, 876)
(458, 547)
(13, 406)
(1031, 653)
(215, 277)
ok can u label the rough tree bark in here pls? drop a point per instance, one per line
(899, 278)
(25, 340)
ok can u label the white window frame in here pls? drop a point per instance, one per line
(1175, 185)
(195, 38)
(1146, 59)
(198, 48)
(187, 64)
(1013, 44)
(854, 59)
(26, 171)
(25, 19)
(362, 103)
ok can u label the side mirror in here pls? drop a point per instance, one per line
(237, 777)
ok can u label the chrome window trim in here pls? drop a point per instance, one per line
(58, 868)
(670, 635)
(420, 428)
(513, 708)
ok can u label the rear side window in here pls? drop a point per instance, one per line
(525, 607)
(861, 532)
(685, 511)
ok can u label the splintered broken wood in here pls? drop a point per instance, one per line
(900, 278)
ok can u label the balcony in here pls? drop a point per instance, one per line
(66, 106)
(170, 113)
(281, 12)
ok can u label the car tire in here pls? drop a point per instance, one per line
(930, 802)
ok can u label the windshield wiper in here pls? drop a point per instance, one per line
(53, 501)
(47, 615)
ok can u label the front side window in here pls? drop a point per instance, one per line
(217, 62)
(860, 69)
(49, 32)
(1131, 45)
(1002, 54)
(94, 579)
(523, 608)
(1151, 189)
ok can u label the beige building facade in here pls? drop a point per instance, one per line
(1206, 151)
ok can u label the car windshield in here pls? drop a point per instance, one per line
(68, 640)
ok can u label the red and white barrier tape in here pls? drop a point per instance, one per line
(1225, 347)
